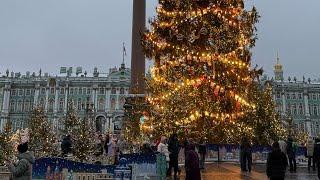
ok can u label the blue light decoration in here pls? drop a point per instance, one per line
(57, 164)
(139, 158)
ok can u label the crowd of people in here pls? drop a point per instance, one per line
(171, 147)
(107, 145)
(283, 154)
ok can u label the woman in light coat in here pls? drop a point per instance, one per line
(163, 148)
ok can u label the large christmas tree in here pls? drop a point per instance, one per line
(202, 70)
(41, 135)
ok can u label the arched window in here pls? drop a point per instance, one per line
(61, 105)
(43, 91)
(19, 106)
(113, 104)
(113, 91)
(79, 105)
(12, 106)
(315, 110)
(101, 104)
(42, 102)
(80, 90)
(121, 90)
(62, 91)
(27, 105)
(51, 104)
(294, 107)
(300, 109)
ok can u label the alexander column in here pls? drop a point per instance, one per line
(137, 56)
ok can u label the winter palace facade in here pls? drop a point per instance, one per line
(106, 93)
(299, 100)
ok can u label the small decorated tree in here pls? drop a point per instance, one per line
(7, 146)
(41, 135)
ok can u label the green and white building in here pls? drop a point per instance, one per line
(105, 92)
(299, 100)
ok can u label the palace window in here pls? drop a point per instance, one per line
(278, 95)
(88, 91)
(51, 90)
(121, 90)
(101, 104)
(314, 97)
(80, 90)
(71, 91)
(310, 109)
(12, 106)
(315, 110)
(294, 109)
(62, 91)
(300, 109)
(300, 95)
(293, 95)
(288, 95)
(75, 90)
(28, 92)
(19, 106)
(20, 92)
(13, 92)
(101, 91)
(113, 104)
(43, 91)
(61, 105)
(113, 91)
(42, 103)
(79, 105)
(51, 104)
(27, 106)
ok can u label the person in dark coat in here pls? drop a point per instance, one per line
(106, 144)
(22, 170)
(66, 145)
(245, 155)
(173, 147)
(202, 151)
(277, 163)
(316, 154)
(192, 164)
(291, 155)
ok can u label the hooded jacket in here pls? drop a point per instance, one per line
(23, 169)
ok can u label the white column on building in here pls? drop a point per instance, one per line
(95, 96)
(107, 103)
(56, 99)
(66, 92)
(55, 109)
(117, 99)
(36, 95)
(47, 98)
(306, 105)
